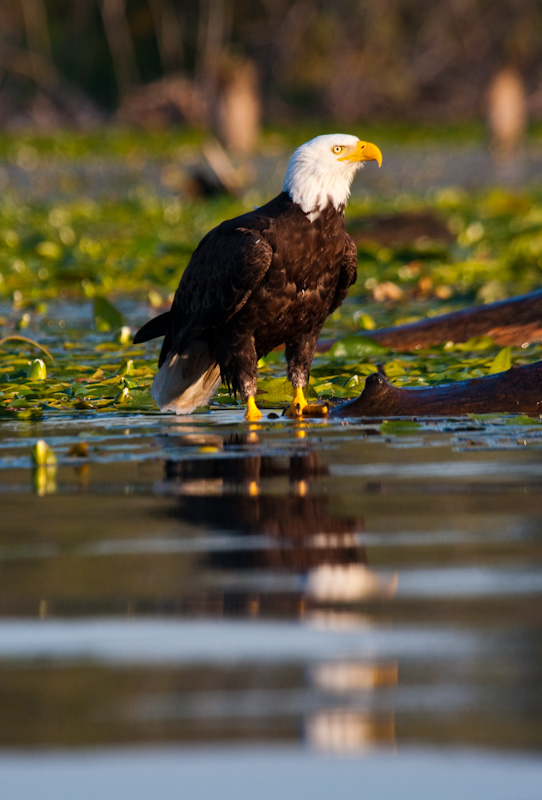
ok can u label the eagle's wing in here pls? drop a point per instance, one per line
(348, 273)
(226, 267)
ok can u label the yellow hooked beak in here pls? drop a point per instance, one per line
(363, 151)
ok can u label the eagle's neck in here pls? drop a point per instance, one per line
(315, 190)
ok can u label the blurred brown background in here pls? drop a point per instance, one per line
(230, 65)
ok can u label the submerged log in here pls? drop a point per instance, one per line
(518, 390)
(515, 321)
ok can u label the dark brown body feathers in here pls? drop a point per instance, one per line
(267, 278)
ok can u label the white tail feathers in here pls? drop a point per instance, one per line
(186, 381)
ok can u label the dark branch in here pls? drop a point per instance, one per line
(509, 322)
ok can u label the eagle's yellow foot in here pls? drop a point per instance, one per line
(297, 405)
(300, 408)
(316, 410)
(252, 413)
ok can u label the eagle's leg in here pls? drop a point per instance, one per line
(252, 413)
(299, 402)
(241, 373)
(299, 358)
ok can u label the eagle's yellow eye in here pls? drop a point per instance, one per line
(338, 148)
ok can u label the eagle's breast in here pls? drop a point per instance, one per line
(296, 293)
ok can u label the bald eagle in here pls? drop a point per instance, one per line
(267, 278)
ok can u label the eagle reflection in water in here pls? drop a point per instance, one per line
(288, 531)
(280, 550)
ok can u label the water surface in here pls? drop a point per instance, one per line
(243, 608)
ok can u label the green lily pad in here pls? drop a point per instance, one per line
(356, 346)
(501, 362)
(399, 427)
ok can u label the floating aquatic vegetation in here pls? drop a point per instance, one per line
(78, 267)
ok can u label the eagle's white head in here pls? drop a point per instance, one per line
(321, 171)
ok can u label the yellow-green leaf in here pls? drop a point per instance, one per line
(501, 362)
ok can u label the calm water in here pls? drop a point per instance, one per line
(206, 608)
